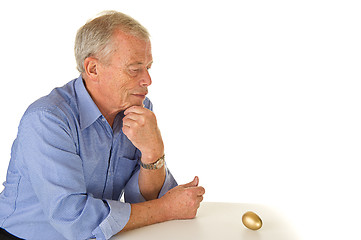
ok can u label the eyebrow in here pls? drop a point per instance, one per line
(138, 63)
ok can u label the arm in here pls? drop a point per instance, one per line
(150, 182)
(140, 126)
(48, 159)
(181, 202)
(132, 193)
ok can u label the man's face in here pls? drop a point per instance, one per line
(124, 78)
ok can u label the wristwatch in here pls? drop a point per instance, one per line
(153, 166)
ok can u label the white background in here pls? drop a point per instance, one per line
(260, 99)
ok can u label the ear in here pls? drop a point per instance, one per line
(91, 68)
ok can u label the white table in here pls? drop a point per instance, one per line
(218, 221)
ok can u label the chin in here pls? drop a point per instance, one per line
(136, 104)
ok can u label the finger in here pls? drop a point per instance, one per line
(132, 115)
(135, 117)
(126, 129)
(200, 191)
(134, 109)
(193, 183)
(196, 178)
(128, 122)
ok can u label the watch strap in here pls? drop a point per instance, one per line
(153, 166)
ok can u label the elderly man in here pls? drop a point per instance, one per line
(83, 146)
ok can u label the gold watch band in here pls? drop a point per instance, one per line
(153, 166)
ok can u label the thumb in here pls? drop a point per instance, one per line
(194, 183)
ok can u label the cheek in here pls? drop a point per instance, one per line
(129, 84)
(119, 86)
(124, 87)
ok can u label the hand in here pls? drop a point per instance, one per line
(183, 201)
(140, 126)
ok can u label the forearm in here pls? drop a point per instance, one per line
(151, 182)
(146, 213)
(180, 202)
(140, 126)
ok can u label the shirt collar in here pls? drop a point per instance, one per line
(88, 110)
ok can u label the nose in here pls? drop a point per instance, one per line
(146, 79)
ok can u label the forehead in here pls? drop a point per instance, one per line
(129, 49)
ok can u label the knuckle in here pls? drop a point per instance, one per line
(193, 203)
(193, 214)
(129, 132)
(142, 121)
(151, 115)
(189, 193)
(125, 129)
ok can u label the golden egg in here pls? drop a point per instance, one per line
(252, 220)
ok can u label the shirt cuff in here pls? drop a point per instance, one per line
(132, 192)
(116, 220)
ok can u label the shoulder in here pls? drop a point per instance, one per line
(58, 109)
(60, 101)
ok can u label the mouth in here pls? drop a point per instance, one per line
(140, 95)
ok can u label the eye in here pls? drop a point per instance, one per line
(134, 70)
(149, 66)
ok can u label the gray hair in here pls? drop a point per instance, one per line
(94, 38)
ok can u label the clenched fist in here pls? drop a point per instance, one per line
(183, 201)
(140, 126)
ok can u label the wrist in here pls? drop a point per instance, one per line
(146, 213)
(164, 209)
(149, 158)
(158, 164)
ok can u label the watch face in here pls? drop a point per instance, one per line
(160, 163)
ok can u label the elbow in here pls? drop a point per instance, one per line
(76, 216)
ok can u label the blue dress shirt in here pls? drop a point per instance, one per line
(69, 169)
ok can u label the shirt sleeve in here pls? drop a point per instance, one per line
(132, 192)
(48, 159)
(116, 220)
